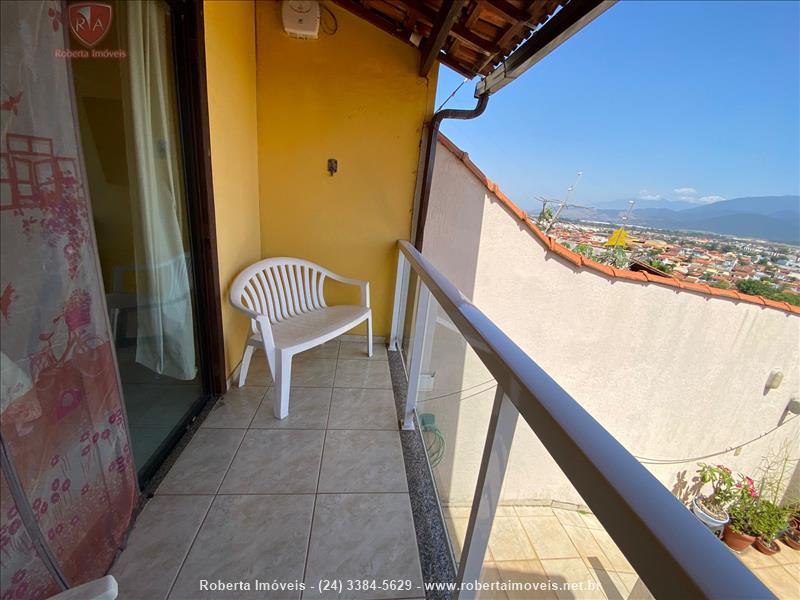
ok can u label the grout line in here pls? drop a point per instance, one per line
(253, 418)
(319, 473)
(203, 522)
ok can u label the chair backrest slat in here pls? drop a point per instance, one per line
(270, 305)
(281, 288)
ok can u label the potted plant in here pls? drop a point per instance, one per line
(740, 531)
(710, 509)
(770, 520)
(791, 537)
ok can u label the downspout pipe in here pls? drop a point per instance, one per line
(430, 157)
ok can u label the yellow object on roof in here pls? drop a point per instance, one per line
(618, 238)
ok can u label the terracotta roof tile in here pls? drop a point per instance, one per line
(571, 256)
(633, 275)
(580, 260)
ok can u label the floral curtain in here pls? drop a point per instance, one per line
(64, 431)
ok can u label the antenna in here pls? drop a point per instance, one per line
(563, 203)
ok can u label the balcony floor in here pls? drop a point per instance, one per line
(540, 544)
(320, 495)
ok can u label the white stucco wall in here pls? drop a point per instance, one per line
(671, 374)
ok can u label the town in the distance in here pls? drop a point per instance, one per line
(759, 267)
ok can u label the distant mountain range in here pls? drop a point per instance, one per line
(775, 218)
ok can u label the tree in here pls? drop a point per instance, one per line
(755, 287)
(660, 265)
(585, 249)
(545, 217)
(616, 257)
(723, 285)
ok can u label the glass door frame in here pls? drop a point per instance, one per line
(190, 81)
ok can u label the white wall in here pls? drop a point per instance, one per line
(671, 374)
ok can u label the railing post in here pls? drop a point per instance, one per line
(400, 290)
(417, 352)
(496, 451)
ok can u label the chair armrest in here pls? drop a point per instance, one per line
(104, 588)
(364, 285)
(252, 314)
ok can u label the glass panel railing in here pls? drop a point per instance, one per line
(545, 539)
(453, 408)
(533, 489)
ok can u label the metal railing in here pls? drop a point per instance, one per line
(673, 553)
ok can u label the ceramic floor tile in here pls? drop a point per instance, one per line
(358, 350)
(362, 461)
(270, 461)
(508, 540)
(236, 408)
(528, 573)
(754, 559)
(591, 521)
(363, 536)
(614, 555)
(313, 372)
(329, 349)
(534, 511)
(573, 579)
(455, 511)
(780, 582)
(787, 556)
(363, 374)
(587, 546)
(161, 536)
(490, 575)
(248, 538)
(569, 517)
(457, 532)
(202, 465)
(549, 538)
(794, 569)
(308, 409)
(610, 583)
(636, 589)
(258, 373)
(362, 409)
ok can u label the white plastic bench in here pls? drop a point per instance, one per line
(285, 300)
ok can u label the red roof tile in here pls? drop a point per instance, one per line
(582, 261)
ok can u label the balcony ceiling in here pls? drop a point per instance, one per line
(469, 36)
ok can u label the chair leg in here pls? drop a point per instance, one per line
(369, 336)
(283, 372)
(246, 356)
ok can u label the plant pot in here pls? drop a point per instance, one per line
(792, 539)
(737, 541)
(710, 521)
(767, 547)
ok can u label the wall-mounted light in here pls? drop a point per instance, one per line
(333, 166)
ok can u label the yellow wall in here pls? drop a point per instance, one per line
(355, 96)
(231, 72)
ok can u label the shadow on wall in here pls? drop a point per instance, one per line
(684, 489)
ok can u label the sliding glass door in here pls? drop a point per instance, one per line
(128, 116)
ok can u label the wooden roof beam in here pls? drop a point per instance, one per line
(509, 11)
(441, 29)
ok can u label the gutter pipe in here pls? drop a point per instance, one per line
(430, 157)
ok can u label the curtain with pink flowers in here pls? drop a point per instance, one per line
(66, 448)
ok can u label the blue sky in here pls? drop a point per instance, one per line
(673, 99)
